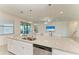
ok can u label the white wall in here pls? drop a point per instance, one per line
(61, 28)
(10, 18)
(74, 30)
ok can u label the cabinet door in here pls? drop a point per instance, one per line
(14, 47)
(17, 47)
(27, 48)
(11, 47)
(59, 52)
(20, 48)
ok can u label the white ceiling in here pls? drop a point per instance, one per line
(41, 12)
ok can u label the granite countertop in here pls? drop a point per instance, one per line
(65, 44)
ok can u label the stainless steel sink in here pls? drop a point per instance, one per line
(29, 38)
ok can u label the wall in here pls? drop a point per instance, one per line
(61, 29)
(74, 29)
(10, 18)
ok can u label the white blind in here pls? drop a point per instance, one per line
(6, 29)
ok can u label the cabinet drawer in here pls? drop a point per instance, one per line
(27, 48)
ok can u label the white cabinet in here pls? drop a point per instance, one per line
(60, 52)
(20, 48)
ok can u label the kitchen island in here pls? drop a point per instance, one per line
(64, 46)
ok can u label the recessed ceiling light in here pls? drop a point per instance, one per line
(76, 23)
(45, 22)
(61, 12)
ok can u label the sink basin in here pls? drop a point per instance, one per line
(29, 38)
(24, 38)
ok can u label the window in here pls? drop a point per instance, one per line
(25, 28)
(36, 28)
(6, 29)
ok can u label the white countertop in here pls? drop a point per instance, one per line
(65, 44)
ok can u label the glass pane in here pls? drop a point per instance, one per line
(36, 29)
(1, 30)
(8, 30)
(7, 24)
(25, 28)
